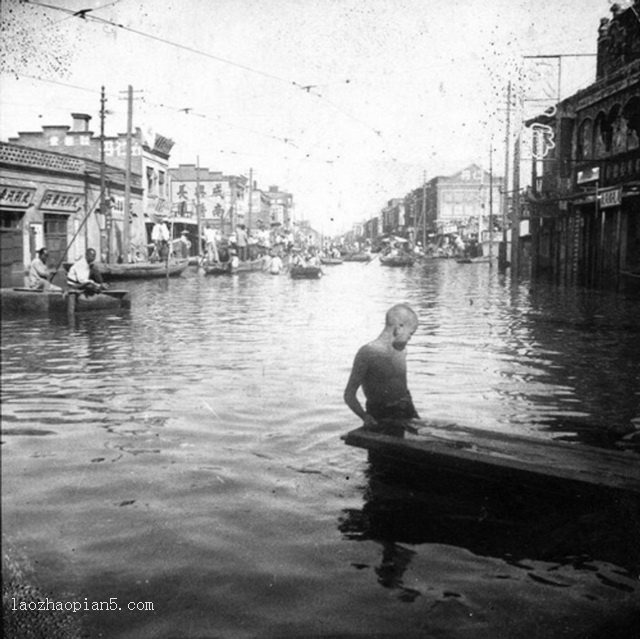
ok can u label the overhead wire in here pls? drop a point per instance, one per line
(87, 15)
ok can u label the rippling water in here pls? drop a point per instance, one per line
(188, 453)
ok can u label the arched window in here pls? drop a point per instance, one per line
(618, 135)
(631, 123)
(601, 136)
(585, 139)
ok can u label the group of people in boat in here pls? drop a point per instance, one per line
(83, 275)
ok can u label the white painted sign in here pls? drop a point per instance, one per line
(610, 197)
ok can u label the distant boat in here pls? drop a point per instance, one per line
(249, 265)
(225, 268)
(357, 257)
(306, 272)
(27, 301)
(482, 259)
(143, 270)
(328, 261)
(397, 260)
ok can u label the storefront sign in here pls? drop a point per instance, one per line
(13, 196)
(588, 175)
(60, 201)
(610, 197)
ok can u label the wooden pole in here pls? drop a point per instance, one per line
(126, 220)
(198, 206)
(102, 207)
(424, 211)
(502, 262)
(491, 203)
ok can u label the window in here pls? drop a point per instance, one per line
(161, 182)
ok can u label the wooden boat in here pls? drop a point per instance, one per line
(483, 259)
(305, 272)
(143, 270)
(455, 450)
(249, 265)
(217, 268)
(357, 257)
(397, 260)
(22, 301)
(330, 261)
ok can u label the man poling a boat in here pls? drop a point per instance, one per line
(84, 276)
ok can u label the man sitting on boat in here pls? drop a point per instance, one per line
(39, 274)
(84, 276)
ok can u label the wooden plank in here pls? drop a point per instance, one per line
(491, 454)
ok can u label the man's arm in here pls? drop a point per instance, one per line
(356, 378)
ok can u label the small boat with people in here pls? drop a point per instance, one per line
(305, 272)
(30, 301)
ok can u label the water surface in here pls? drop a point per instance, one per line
(188, 453)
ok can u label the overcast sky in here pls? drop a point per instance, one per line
(344, 103)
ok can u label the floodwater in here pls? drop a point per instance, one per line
(187, 453)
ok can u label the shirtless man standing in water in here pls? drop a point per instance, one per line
(380, 367)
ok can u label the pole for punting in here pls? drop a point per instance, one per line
(126, 234)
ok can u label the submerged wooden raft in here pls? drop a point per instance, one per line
(441, 446)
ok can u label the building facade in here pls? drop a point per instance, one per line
(51, 200)
(585, 197)
(150, 154)
(463, 203)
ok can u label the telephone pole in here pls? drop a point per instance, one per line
(424, 211)
(103, 208)
(126, 239)
(502, 258)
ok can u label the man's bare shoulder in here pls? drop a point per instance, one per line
(371, 349)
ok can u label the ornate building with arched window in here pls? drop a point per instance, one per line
(585, 198)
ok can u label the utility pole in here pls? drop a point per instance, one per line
(126, 239)
(515, 223)
(198, 205)
(103, 208)
(491, 203)
(424, 211)
(250, 198)
(502, 258)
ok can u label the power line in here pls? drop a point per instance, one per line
(84, 14)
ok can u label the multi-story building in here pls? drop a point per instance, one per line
(393, 217)
(51, 199)
(223, 199)
(462, 203)
(149, 159)
(280, 207)
(585, 197)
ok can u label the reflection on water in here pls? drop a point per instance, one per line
(188, 452)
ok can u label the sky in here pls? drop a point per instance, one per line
(346, 104)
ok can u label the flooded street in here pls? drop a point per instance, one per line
(187, 453)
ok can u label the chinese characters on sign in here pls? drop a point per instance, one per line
(14, 196)
(57, 201)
